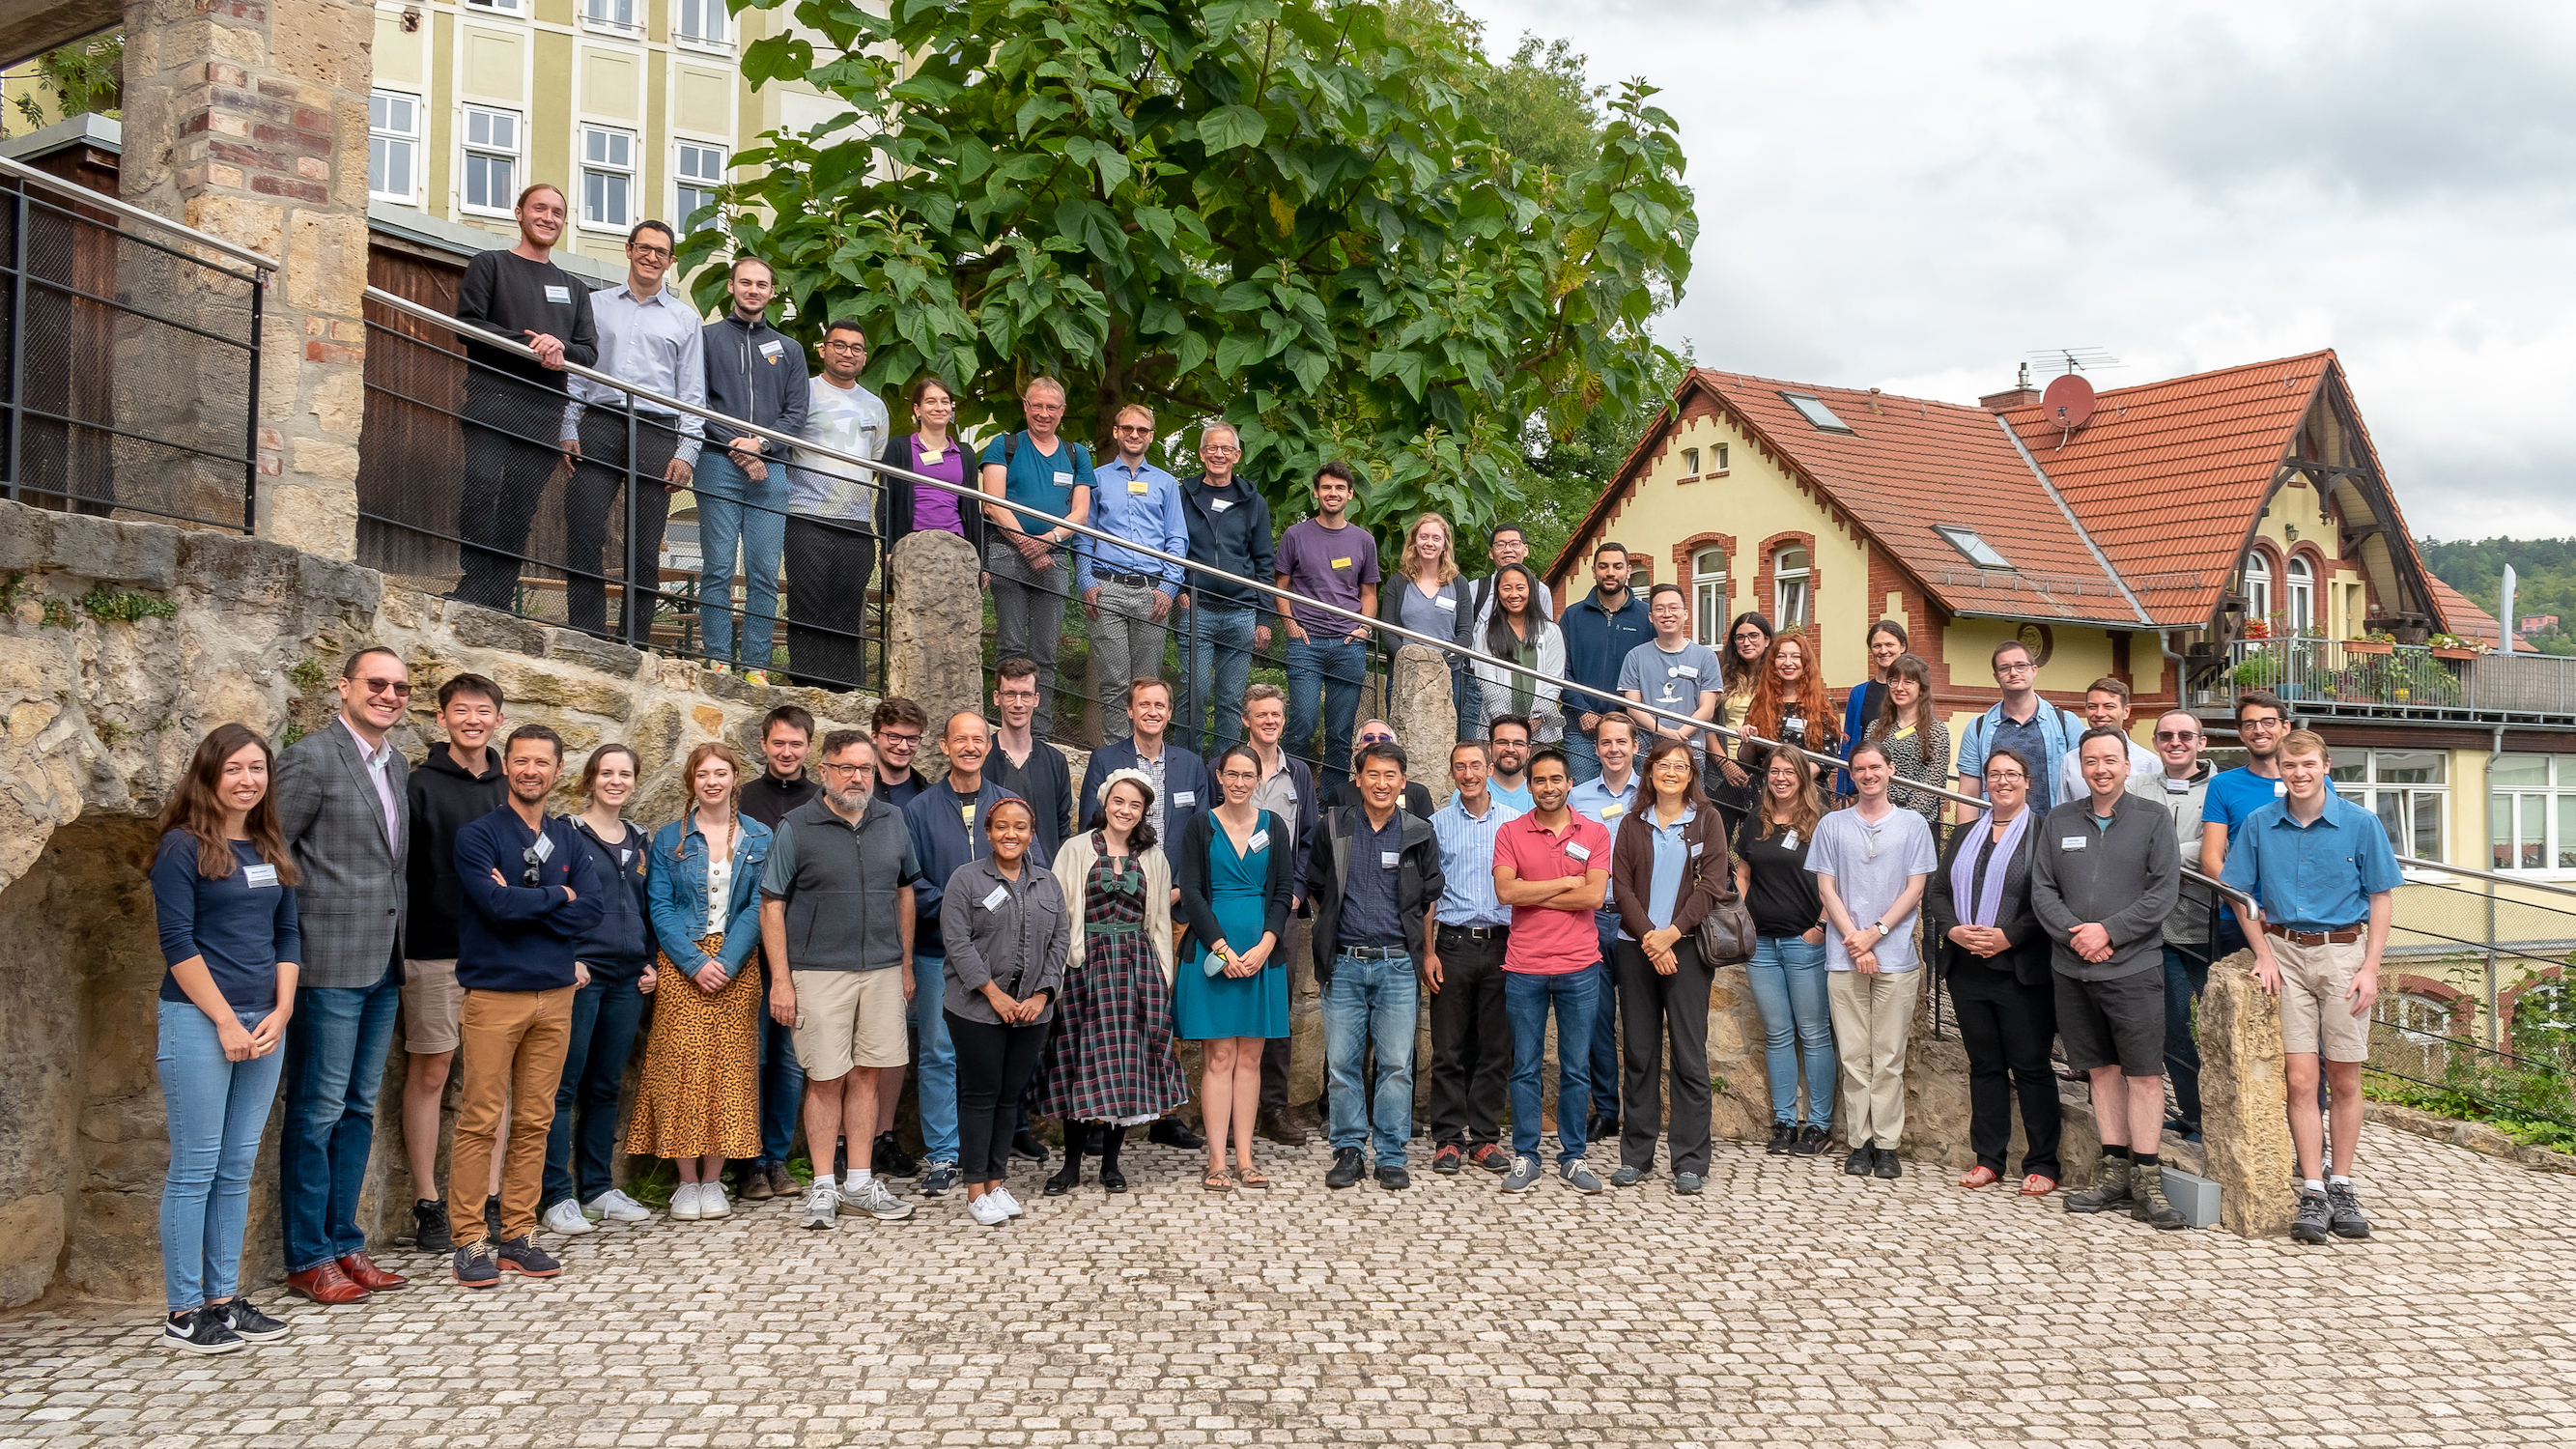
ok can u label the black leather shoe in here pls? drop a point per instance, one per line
(1348, 1168)
(1066, 1179)
(1394, 1178)
(1173, 1132)
(1862, 1162)
(1111, 1179)
(1888, 1166)
(1604, 1128)
(887, 1157)
(1026, 1146)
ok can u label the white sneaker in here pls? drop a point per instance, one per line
(1010, 1204)
(711, 1201)
(822, 1207)
(876, 1200)
(684, 1202)
(616, 1207)
(988, 1210)
(565, 1218)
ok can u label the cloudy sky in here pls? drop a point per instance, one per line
(1915, 196)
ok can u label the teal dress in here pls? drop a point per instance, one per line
(1208, 1007)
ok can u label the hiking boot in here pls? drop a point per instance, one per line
(2111, 1193)
(2311, 1225)
(2147, 1187)
(1348, 1167)
(2343, 1208)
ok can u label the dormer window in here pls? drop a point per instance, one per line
(1813, 409)
(1976, 550)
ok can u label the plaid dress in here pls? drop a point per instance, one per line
(1111, 1058)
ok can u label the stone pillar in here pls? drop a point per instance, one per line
(2243, 1089)
(248, 119)
(935, 626)
(1424, 714)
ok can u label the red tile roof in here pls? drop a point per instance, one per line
(2167, 477)
(2467, 620)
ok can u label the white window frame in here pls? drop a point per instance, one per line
(1717, 462)
(710, 12)
(2301, 592)
(469, 149)
(1709, 598)
(1690, 462)
(2359, 780)
(602, 15)
(682, 181)
(2534, 821)
(605, 169)
(2258, 586)
(496, 7)
(1793, 598)
(413, 141)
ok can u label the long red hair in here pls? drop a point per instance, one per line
(197, 807)
(1764, 714)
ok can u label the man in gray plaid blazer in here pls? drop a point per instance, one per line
(341, 805)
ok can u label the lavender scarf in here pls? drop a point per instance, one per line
(1987, 895)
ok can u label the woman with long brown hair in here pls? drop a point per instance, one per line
(1788, 705)
(1668, 869)
(618, 953)
(1432, 599)
(1917, 743)
(1787, 972)
(699, 1102)
(223, 889)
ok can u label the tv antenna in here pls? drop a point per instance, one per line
(2078, 359)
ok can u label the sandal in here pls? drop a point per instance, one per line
(1980, 1176)
(1252, 1179)
(2038, 1185)
(1217, 1181)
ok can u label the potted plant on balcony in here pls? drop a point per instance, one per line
(2452, 646)
(2379, 641)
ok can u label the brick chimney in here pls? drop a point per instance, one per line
(2020, 395)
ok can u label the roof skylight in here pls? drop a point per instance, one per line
(1813, 409)
(1966, 541)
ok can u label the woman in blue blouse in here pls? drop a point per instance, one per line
(699, 1101)
(223, 887)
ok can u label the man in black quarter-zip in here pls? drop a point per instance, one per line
(756, 374)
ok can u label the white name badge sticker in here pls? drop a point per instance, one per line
(966, 813)
(259, 877)
(1064, 480)
(1219, 505)
(1686, 671)
(1789, 841)
(999, 895)
(559, 294)
(1577, 851)
(1613, 811)
(625, 856)
(2280, 788)
(933, 455)
(1138, 486)
(545, 847)
(1386, 858)
(770, 348)
(2071, 842)
(1260, 841)
(1185, 797)
(1446, 602)
(1697, 847)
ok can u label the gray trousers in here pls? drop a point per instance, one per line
(1028, 616)
(1126, 644)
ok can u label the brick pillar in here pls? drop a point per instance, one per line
(248, 119)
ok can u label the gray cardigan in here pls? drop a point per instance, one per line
(2125, 877)
(1023, 933)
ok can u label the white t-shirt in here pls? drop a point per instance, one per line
(854, 420)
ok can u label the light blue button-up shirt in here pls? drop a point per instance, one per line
(653, 342)
(1153, 517)
(1671, 859)
(1467, 863)
(2314, 877)
(1594, 800)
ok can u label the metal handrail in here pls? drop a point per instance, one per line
(2499, 877)
(21, 171)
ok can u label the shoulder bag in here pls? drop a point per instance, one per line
(1726, 933)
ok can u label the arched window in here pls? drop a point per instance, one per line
(2258, 586)
(2303, 594)
(1789, 587)
(1708, 595)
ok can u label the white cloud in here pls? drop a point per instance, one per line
(1914, 196)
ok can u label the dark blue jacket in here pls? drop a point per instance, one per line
(756, 373)
(1235, 539)
(1184, 774)
(621, 945)
(518, 937)
(942, 840)
(1597, 641)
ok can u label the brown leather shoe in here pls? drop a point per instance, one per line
(326, 1284)
(752, 1184)
(782, 1183)
(1281, 1128)
(363, 1272)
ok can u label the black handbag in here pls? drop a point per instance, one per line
(1726, 933)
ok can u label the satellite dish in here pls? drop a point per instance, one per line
(2068, 403)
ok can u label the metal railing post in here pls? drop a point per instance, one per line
(2494, 1028)
(250, 414)
(17, 338)
(626, 595)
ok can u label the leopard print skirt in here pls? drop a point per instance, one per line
(701, 1086)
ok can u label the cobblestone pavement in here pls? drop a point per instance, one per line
(1790, 1304)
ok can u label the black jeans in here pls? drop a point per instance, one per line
(2006, 1028)
(994, 1064)
(1655, 1009)
(828, 564)
(1471, 1042)
(597, 480)
(580, 1159)
(513, 443)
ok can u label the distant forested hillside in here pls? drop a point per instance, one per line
(2544, 580)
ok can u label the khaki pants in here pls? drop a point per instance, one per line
(512, 1053)
(1873, 1015)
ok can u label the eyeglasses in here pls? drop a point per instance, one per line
(2024, 667)
(2011, 776)
(2170, 737)
(1219, 450)
(399, 689)
(1748, 636)
(1377, 739)
(836, 770)
(858, 347)
(2267, 726)
(532, 860)
(650, 254)
(890, 739)
(1239, 777)
(1132, 428)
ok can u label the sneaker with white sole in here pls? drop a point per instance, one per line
(616, 1207)
(684, 1202)
(1010, 1203)
(201, 1330)
(822, 1207)
(988, 1211)
(1523, 1176)
(712, 1202)
(566, 1218)
(874, 1199)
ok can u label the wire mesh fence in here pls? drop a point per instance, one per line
(2475, 1012)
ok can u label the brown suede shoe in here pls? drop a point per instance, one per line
(363, 1272)
(326, 1285)
(782, 1183)
(752, 1184)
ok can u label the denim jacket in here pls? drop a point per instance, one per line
(676, 892)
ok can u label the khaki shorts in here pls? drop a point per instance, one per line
(432, 1006)
(848, 1019)
(2315, 1016)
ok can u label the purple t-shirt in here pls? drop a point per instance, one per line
(930, 507)
(1329, 564)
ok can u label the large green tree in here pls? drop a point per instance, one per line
(1284, 213)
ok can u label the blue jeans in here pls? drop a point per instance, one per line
(735, 511)
(938, 1059)
(1526, 998)
(1371, 1002)
(1329, 675)
(335, 1060)
(1787, 974)
(604, 1017)
(782, 1085)
(1603, 1063)
(2186, 976)
(1220, 648)
(1581, 763)
(217, 1110)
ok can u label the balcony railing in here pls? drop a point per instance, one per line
(2340, 676)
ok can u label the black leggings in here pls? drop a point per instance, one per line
(994, 1064)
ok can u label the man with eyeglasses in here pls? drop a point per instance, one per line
(1127, 595)
(844, 984)
(831, 519)
(342, 809)
(648, 336)
(895, 729)
(2181, 787)
(1348, 795)
(530, 894)
(1506, 546)
(1227, 623)
(2262, 722)
(2042, 732)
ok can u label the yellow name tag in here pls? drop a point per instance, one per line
(966, 813)
(1341, 563)
(1136, 486)
(1613, 812)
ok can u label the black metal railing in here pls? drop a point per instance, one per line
(133, 360)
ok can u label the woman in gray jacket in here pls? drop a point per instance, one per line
(1007, 929)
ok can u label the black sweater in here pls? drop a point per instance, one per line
(2026, 957)
(506, 293)
(444, 800)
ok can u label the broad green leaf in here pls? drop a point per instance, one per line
(1228, 127)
